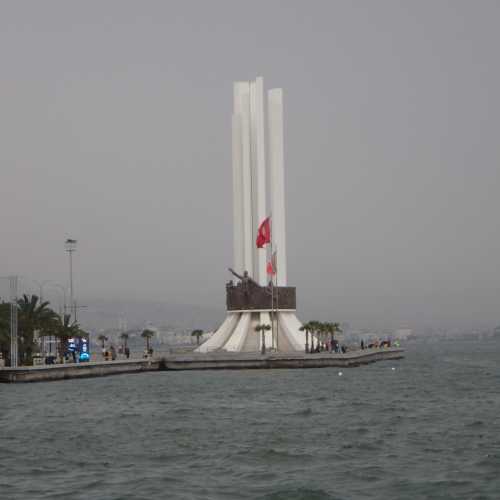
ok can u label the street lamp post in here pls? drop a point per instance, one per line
(13, 281)
(13, 322)
(70, 247)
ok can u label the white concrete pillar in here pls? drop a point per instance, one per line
(277, 171)
(238, 253)
(242, 108)
(258, 160)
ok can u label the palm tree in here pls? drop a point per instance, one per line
(124, 337)
(328, 331)
(147, 334)
(322, 332)
(197, 334)
(306, 328)
(311, 331)
(263, 329)
(33, 316)
(333, 328)
(64, 329)
(102, 339)
(314, 326)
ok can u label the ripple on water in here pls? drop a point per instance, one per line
(300, 494)
(305, 412)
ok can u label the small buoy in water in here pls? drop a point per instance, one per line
(340, 374)
(393, 368)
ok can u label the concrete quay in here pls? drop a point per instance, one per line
(249, 361)
(48, 373)
(197, 361)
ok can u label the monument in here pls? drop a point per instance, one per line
(260, 295)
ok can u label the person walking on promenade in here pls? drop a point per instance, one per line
(112, 352)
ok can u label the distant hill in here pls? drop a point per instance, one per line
(129, 314)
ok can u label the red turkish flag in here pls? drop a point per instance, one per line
(264, 233)
(271, 265)
(270, 269)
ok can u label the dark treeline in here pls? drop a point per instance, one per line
(324, 333)
(35, 320)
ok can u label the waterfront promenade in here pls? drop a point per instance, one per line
(194, 361)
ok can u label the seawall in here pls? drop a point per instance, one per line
(211, 361)
(246, 361)
(80, 370)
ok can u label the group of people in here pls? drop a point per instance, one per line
(335, 346)
(148, 353)
(110, 354)
(329, 346)
(376, 344)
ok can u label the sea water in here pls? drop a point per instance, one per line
(425, 427)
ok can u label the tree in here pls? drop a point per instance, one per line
(147, 334)
(306, 328)
(33, 315)
(197, 334)
(64, 330)
(314, 326)
(263, 328)
(124, 337)
(333, 328)
(322, 332)
(102, 339)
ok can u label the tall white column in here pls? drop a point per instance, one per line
(238, 253)
(276, 161)
(258, 173)
(248, 222)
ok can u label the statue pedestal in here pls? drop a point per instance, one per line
(250, 305)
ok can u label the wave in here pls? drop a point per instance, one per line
(300, 494)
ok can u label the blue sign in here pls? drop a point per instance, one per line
(84, 349)
(79, 346)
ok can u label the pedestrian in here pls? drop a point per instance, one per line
(127, 352)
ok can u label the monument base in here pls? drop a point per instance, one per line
(237, 333)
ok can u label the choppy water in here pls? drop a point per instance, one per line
(430, 429)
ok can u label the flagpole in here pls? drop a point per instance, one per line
(275, 264)
(272, 299)
(274, 334)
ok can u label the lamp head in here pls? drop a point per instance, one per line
(70, 245)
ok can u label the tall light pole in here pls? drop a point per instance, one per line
(70, 247)
(13, 281)
(13, 321)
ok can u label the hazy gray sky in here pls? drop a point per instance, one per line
(115, 130)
